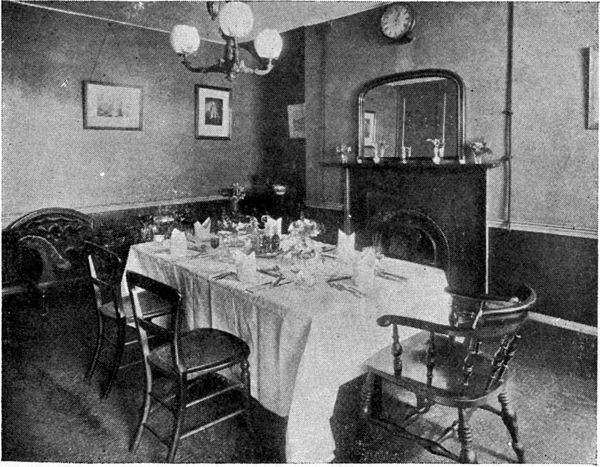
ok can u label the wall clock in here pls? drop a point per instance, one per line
(397, 22)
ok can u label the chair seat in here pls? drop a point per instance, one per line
(447, 382)
(202, 350)
(152, 305)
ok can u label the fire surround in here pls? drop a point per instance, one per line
(453, 195)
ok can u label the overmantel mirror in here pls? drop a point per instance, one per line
(411, 115)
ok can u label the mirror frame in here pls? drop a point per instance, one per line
(406, 75)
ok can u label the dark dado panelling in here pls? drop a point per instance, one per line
(118, 230)
(453, 196)
(562, 269)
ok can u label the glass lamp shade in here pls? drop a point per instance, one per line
(236, 19)
(185, 39)
(268, 44)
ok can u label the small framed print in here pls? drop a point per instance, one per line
(296, 121)
(213, 112)
(109, 106)
(369, 129)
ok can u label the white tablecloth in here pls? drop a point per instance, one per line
(305, 342)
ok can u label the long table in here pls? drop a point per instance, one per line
(305, 341)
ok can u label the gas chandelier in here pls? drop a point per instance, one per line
(235, 22)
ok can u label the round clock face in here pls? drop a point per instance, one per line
(397, 20)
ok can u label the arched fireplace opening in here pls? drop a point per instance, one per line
(410, 235)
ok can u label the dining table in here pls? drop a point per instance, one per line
(309, 327)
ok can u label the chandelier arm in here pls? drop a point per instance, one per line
(242, 68)
(216, 68)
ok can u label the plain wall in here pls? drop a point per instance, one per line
(48, 158)
(555, 166)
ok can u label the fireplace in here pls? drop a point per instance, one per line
(410, 235)
(450, 198)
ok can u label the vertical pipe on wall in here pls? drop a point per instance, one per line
(507, 135)
(508, 114)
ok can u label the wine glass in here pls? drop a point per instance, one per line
(378, 245)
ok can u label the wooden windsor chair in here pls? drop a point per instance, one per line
(445, 364)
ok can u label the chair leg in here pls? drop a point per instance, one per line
(178, 421)
(245, 376)
(145, 410)
(366, 408)
(509, 417)
(44, 302)
(116, 363)
(467, 454)
(94, 361)
(256, 440)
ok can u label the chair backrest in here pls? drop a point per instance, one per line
(489, 315)
(56, 236)
(410, 235)
(106, 272)
(138, 283)
(476, 319)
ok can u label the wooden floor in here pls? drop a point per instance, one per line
(50, 414)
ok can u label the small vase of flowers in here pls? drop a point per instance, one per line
(438, 149)
(478, 148)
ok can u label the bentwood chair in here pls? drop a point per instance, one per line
(190, 361)
(446, 364)
(115, 324)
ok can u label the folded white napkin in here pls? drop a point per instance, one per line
(363, 270)
(245, 266)
(202, 231)
(345, 246)
(178, 242)
(272, 226)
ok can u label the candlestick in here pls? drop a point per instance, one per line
(403, 118)
(444, 123)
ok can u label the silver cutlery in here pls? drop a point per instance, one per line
(338, 278)
(223, 275)
(257, 287)
(273, 272)
(346, 288)
(278, 283)
(391, 276)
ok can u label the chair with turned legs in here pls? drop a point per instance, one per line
(447, 364)
(115, 333)
(191, 361)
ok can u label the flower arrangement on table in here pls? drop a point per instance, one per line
(299, 242)
(478, 148)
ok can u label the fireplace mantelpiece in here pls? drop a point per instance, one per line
(452, 194)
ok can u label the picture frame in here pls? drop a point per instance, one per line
(212, 112)
(296, 121)
(112, 106)
(369, 129)
(592, 88)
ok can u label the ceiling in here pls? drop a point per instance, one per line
(163, 15)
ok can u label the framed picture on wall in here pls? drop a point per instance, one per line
(213, 112)
(296, 121)
(369, 129)
(592, 116)
(109, 106)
